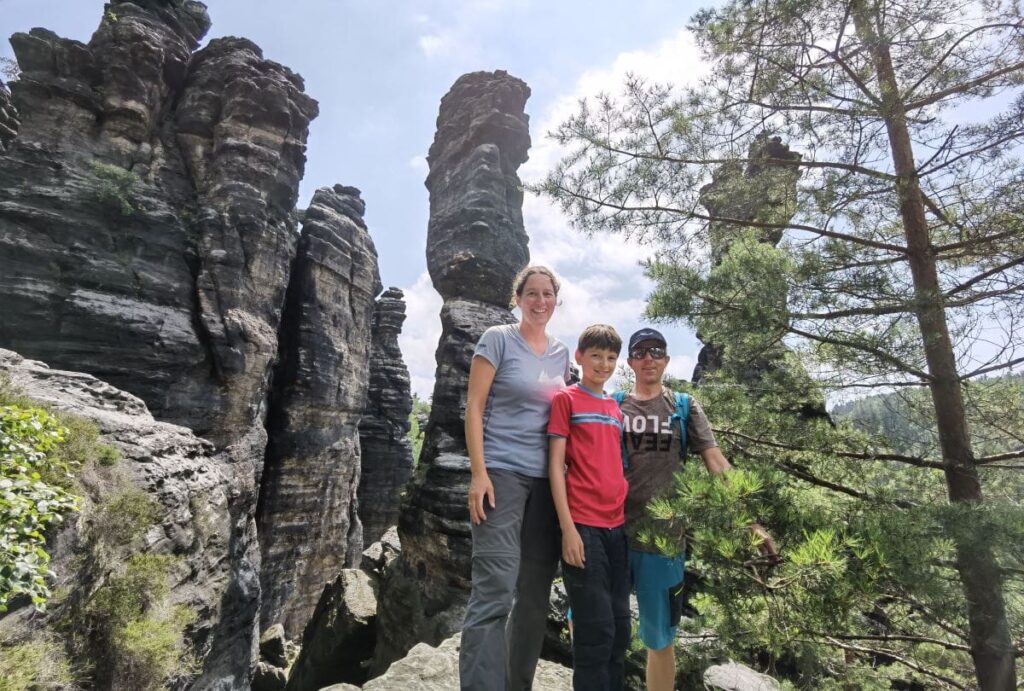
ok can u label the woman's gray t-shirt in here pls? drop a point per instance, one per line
(519, 404)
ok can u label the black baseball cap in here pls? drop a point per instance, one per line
(646, 335)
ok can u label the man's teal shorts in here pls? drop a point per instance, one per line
(657, 582)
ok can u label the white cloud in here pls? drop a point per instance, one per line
(419, 164)
(420, 334)
(435, 45)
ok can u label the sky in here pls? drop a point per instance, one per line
(379, 68)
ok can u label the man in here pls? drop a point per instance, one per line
(652, 446)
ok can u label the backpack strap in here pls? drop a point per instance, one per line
(619, 397)
(681, 416)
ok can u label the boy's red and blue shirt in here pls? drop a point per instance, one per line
(595, 485)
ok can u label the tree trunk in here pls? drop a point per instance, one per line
(991, 647)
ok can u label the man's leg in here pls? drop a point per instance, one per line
(483, 653)
(540, 547)
(589, 591)
(654, 575)
(661, 668)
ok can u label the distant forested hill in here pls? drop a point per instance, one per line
(904, 417)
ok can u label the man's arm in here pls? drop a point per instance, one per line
(572, 545)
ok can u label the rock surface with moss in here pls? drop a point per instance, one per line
(144, 585)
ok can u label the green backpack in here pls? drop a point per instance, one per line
(680, 416)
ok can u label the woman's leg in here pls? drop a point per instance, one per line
(483, 660)
(541, 547)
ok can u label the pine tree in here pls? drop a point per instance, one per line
(904, 263)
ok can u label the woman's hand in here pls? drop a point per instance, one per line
(572, 548)
(480, 486)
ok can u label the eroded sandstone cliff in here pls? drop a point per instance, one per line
(308, 522)
(386, 461)
(475, 246)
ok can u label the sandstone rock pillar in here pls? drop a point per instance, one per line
(475, 245)
(308, 526)
(384, 430)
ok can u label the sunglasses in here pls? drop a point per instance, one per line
(656, 352)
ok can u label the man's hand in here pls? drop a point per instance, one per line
(479, 487)
(572, 548)
(766, 545)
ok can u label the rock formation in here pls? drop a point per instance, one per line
(8, 118)
(192, 486)
(340, 635)
(147, 237)
(309, 530)
(428, 668)
(762, 191)
(475, 246)
(384, 430)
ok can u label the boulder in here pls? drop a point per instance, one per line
(427, 668)
(736, 677)
(338, 642)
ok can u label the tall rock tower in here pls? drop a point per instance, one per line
(384, 430)
(475, 246)
(308, 524)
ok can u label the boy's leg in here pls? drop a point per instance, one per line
(618, 567)
(483, 652)
(541, 546)
(590, 596)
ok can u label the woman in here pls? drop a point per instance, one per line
(516, 369)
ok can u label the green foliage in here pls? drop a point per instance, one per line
(30, 665)
(113, 188)
(140, 635)
(417, 422)
(125, 517)
(33, 498)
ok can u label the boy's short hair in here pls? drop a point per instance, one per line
(600, 336)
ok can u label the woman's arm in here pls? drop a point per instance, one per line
(481, 376)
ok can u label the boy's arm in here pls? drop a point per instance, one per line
(572, 545)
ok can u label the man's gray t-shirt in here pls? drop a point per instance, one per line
(652, 445)
(519, 404)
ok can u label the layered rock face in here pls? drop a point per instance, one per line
(309, 527)
(147, 237)
(475, 246)
(192, 487)
(146, 224)
(384, 430)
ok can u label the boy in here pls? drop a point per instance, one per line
(589, 491)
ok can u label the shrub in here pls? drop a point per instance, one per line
(32, 664)
(33, 497)
(138, 635)
(114, 187)
(125, 517)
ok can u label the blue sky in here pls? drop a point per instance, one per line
(379, 70)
